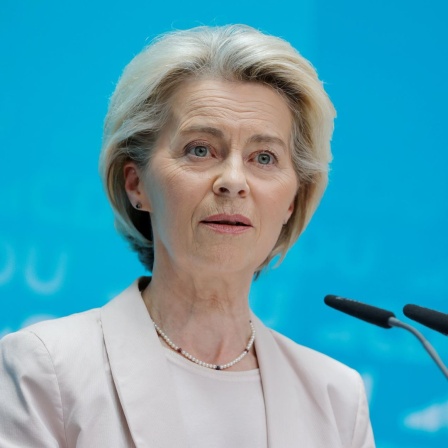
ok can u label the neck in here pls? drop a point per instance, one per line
(207, 315)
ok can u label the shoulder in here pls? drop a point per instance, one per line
(77, 337)
(40, 367)
(64, 331)
(54, 374)
(307, 361)
(336, 389)
(56, 344)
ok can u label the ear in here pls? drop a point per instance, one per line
(134, 187)
(290, 211)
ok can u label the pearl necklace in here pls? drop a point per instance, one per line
(187, 355)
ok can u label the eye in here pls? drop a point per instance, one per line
(198, 150)
(265, 158)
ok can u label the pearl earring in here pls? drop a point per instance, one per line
(138, 206)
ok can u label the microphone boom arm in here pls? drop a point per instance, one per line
(394, 322)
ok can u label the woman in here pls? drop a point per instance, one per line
(215, 156)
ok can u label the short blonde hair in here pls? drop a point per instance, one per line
(139, 109)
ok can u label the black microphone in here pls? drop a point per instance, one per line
(368, 313)
(382, 318)
(433, 319)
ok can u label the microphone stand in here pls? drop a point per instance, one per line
(394, 322)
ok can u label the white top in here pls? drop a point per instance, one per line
(220, 409)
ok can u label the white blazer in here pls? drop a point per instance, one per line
(101, 379)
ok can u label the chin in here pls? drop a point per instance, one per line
(227, 262)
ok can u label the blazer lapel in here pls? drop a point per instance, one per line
(141, 373)
(293, 417)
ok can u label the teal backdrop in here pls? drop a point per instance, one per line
(379, 236)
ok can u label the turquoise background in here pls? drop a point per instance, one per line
(379, 235)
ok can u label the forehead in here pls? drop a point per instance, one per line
(231, 106)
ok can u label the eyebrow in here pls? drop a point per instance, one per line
(263, 138)
(204, 130)
(257, 138)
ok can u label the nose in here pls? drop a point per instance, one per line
(231, 180)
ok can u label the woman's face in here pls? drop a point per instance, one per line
(220, 184)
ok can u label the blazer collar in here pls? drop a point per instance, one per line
(143, 380)
(298, 406)
(286, 418)
(141, 376)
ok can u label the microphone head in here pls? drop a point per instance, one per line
(368, 313)
(433, 319)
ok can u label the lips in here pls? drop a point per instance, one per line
(229, 220)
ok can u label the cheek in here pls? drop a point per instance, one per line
(174, 196)
(278, 202)
(159, 183)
